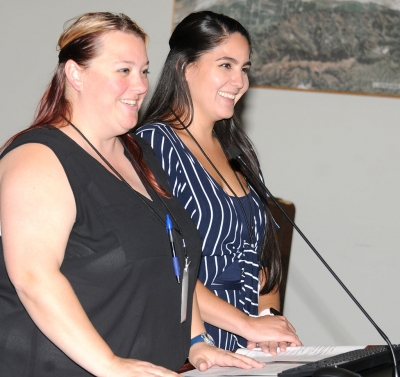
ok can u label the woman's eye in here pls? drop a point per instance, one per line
(146, 72)
(124, 70)
(226, 65)
(246, 69)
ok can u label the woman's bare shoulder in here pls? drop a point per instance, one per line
(29, 159)
(32, 173)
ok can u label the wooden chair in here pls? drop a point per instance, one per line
(284, 235)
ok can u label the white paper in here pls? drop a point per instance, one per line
(292, 358)
(300, 354)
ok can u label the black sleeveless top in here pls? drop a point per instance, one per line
(118, 261)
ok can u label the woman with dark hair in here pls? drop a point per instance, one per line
(87, 284)
(190, 122)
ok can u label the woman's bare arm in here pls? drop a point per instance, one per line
(37, 210)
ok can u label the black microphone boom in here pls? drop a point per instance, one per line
(235, 154)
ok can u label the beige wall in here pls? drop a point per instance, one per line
(337, 157)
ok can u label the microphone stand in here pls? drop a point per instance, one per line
(236, 155)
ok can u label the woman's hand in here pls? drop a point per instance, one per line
(203, 356)
(135, 368)
(271, 332)
(270, 347)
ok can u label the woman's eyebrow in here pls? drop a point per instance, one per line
(233, 60)
(129, 62)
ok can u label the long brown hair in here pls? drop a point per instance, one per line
(81, 42)
(195, 35)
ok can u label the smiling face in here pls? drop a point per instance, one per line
(115, 83)
(219, 79)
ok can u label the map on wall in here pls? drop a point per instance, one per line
(329, 45)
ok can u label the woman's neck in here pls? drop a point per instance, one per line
(103, 142)
(202, 131)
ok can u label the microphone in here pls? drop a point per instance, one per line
(235, 154)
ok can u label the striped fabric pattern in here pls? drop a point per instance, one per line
(229, 264)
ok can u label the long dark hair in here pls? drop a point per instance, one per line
(197, 34)
(82, 42)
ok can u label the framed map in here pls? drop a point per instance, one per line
(329, 45)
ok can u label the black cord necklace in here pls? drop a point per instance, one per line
(185, 273)
(249, 225)
(178, 229)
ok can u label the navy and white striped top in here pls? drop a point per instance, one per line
(229, 264)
